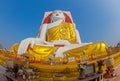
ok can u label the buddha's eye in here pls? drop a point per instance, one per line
(60, 12)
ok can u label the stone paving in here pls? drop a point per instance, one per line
(117, 78)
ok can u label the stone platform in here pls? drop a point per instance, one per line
(117, 78)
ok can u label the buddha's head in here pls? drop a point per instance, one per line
(57, 15)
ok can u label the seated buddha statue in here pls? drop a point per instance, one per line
(58, 35)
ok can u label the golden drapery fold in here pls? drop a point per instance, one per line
(41, 52)
(64, 31)
(89, 51)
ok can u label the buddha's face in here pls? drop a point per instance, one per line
(57, 15)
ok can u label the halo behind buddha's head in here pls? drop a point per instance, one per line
(57, 15)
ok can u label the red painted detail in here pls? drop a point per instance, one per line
(47, 19)
(67, 18)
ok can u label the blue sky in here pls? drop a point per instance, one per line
(96, 20)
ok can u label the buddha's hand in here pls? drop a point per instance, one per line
(26, 43)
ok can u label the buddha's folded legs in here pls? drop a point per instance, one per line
(91, 50)
(94, 50)
(41, 52)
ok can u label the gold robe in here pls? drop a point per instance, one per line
(64, 31)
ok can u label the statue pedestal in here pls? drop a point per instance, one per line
(47, 70)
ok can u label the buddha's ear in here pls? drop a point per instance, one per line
(51, 19)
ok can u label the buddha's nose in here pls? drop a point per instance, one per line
(57, 14)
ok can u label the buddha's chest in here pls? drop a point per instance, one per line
(64, 31)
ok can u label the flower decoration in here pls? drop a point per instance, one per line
(50, 57)
(100, 62)
(15, 68)
(82, 67)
